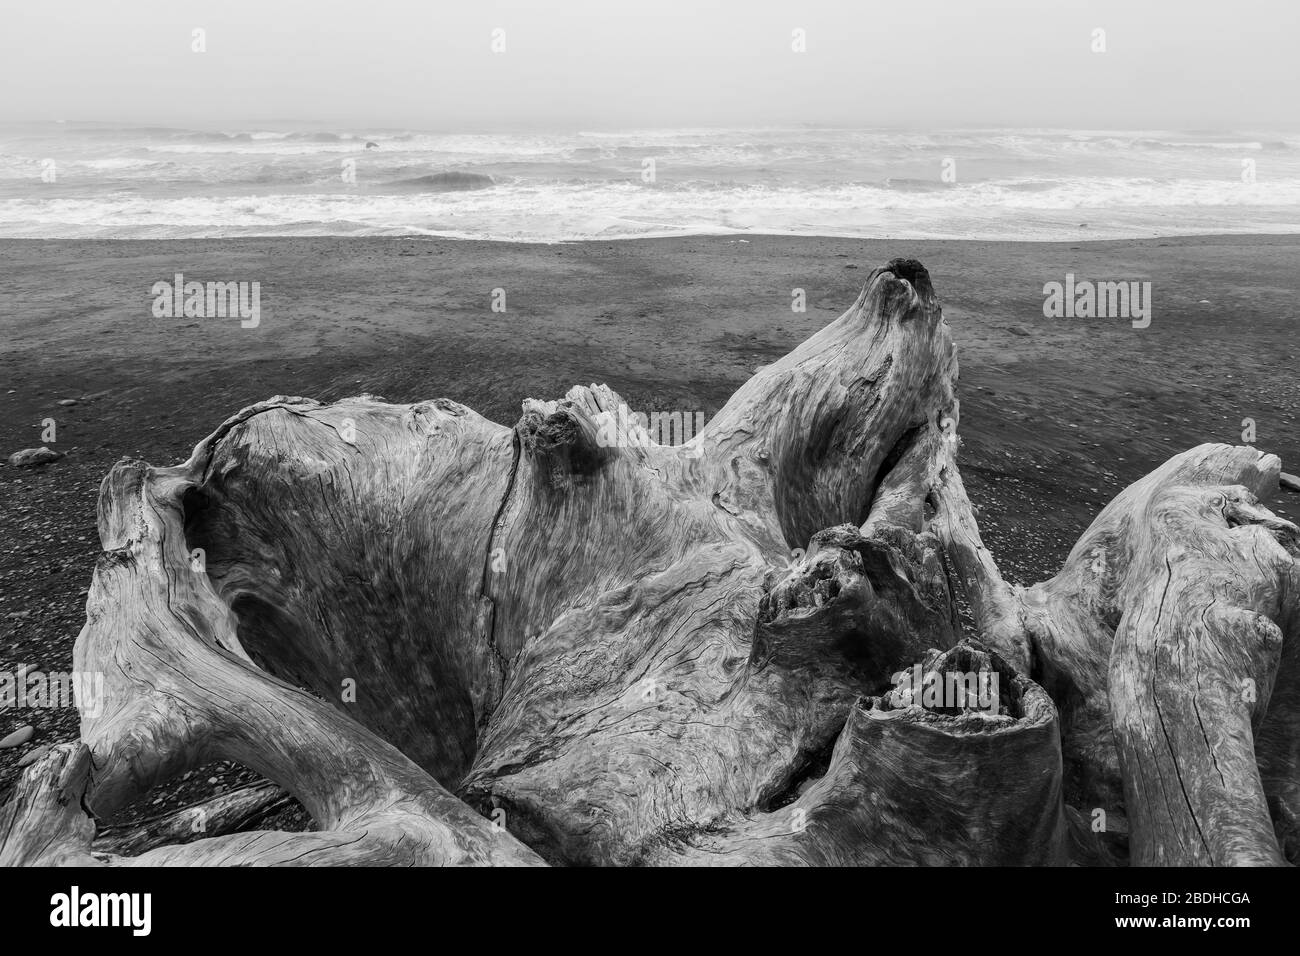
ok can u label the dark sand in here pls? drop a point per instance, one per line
(1057, 414)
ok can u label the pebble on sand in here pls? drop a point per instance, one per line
(33, 755)
(67, 401)
(18, 737)
(34, 457)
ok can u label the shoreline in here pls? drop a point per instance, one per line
(1246, 234)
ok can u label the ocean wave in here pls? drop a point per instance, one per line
(324, 137)
(441, 183)
(907, 184)
(531, 212)
(148, 180)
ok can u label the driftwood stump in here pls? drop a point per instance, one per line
(460, 643)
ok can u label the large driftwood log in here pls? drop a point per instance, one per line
(456, 642)
(1160, 641)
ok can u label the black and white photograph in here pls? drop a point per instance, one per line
(624, 435)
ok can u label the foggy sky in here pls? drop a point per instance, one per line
(589, 64)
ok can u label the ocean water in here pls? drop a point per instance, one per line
(89, 179)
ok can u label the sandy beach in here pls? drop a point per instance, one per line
(1056, 414)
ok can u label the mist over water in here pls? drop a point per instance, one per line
(118, 181)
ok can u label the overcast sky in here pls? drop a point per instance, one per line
(613, 63)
